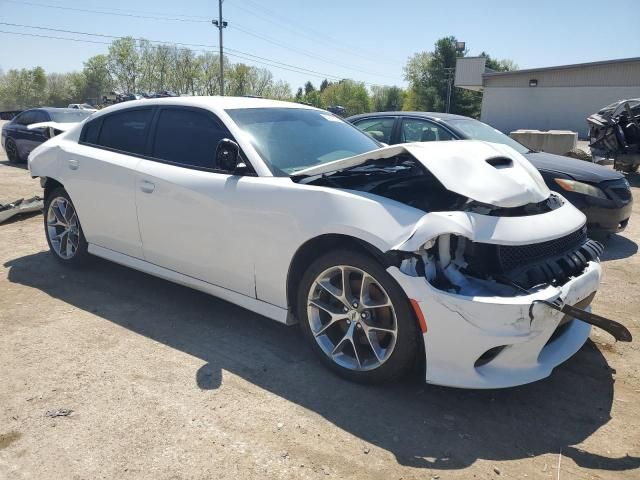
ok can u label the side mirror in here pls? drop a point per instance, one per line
(227, 155)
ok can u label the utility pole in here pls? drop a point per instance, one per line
(450, 71)
(220, 25)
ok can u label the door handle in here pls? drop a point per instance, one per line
(146, 186)
(73, 164)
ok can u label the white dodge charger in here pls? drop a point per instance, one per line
(450, 255)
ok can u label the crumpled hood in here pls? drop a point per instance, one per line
(489, 173)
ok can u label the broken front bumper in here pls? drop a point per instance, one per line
(494, 342)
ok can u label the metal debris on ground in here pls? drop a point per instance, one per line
(20, 206)
(60, 412)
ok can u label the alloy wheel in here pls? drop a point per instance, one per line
(12, 151)
(63, 229)
(352, 318)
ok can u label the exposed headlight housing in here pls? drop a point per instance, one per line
(580, 187)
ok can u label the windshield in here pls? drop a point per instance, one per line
(291, 139)
(68, 116)
(475, 130)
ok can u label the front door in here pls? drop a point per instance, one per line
(187, 206)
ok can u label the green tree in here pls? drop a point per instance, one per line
(308, 88)
(351, 95)
(325, 83)
(23, 88)
(386, 99)
(98, 80)
(429, 74)
(124, 63)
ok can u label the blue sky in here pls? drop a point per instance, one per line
(365, 40)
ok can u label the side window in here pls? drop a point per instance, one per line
(378, 128)
(187, 137)
(90, 131)
(40, 116)
(25, 118)
(417, 130)
(125, 131)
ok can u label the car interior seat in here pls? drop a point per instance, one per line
(428, 135)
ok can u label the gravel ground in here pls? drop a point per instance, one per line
(111, 373)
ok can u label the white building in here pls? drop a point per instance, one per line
(550, 98)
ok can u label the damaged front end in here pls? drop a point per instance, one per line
(614, 132)
(512, 309)
(500, 269)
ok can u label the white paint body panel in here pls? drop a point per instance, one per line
(235, 237)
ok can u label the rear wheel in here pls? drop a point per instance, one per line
(63, 230)
(357, 318)
(12, 151)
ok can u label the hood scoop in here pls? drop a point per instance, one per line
(500, 162)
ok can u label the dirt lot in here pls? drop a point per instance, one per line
(166, 383)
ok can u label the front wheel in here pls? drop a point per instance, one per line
(63, 230)
(357, 318)
(12, 151)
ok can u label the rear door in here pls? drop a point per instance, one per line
(100, 178)
(421, 130)
(380, 128)
(187, 206)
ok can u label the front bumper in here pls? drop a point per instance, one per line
(461, 329)
(607, 220)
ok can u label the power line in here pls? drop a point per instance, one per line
(243, 56)
(115, 37)
(103, 12)
(304, 31)
(304, 52)
(198, 19)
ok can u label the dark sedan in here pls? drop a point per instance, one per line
(602, 194)
(18, 141)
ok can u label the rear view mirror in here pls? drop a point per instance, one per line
(227, 155)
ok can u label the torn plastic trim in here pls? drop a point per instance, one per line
(20, 206)
(617, 330)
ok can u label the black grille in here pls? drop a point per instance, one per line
(512, 257)
(622, 193)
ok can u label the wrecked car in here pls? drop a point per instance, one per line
(387, 257)
(614, 132)
(32, 127)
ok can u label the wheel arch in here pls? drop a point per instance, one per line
(317, 246)
(49, 184)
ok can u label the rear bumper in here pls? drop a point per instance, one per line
(463, 332)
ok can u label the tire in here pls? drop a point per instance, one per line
(12, 151)
(386, 357)
(62, 229)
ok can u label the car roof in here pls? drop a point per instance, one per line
(214, 103)
(427, 115)
(52, 109)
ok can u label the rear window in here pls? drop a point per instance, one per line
(125, 131)
(91, 130)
